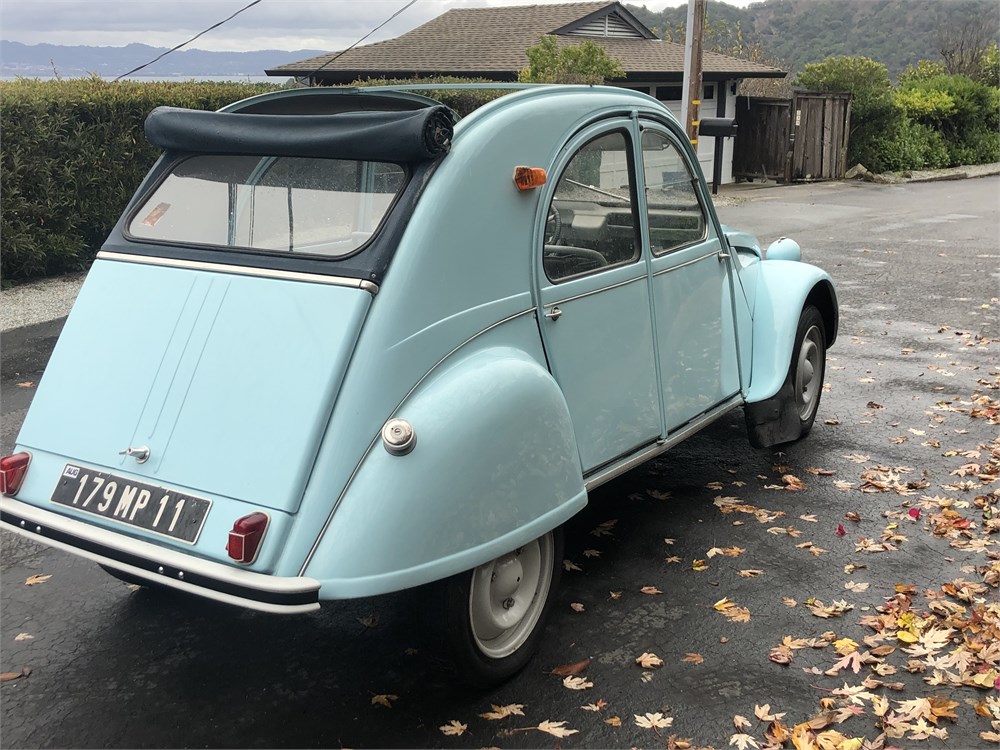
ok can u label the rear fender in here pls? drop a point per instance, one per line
(784, 289)
(495, 465)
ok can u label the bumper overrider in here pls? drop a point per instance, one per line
(162, 566)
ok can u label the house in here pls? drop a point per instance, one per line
(491, 42)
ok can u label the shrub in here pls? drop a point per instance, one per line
(965, 112)
(72, 154)
(585, 62)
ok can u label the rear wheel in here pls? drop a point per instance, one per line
(496, 612)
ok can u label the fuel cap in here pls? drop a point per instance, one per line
(398, 437)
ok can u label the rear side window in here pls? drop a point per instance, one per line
(327, 207)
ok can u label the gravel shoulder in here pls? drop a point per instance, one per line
(38, 301)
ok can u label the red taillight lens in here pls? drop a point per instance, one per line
(12, 472)
(246, 536)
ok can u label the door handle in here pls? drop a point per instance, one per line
(554, 314)
(723, 256)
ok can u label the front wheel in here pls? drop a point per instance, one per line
(808, 367)
(496, 612)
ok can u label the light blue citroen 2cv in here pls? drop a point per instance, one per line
(342, 343)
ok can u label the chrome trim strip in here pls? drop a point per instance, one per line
(593, 292)
(714, 253)
(392, 414)
(627, 464)
(42, 525)
(267, 273)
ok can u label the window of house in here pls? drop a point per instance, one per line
(675, 214)
(592, 223)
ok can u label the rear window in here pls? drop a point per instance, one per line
(326, 207)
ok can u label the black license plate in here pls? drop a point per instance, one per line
(145, 506)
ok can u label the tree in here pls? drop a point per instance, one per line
(964, 48)
(586, 62)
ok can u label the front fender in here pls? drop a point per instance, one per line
(495, 465)
(783, 289)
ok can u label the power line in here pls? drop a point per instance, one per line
(184, 44)
(343, 52)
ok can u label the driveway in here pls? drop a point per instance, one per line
(849, 579)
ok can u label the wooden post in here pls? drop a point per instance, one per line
(692, 68)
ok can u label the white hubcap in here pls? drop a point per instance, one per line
(507, 596)
(809, 373)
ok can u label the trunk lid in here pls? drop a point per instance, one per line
(229, 380)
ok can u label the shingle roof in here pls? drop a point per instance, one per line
(492, 41)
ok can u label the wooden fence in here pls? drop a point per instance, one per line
(802, 138)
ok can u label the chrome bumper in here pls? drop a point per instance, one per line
(156, 564)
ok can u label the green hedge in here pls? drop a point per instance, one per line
(72, 154)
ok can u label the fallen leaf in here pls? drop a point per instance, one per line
(569, 565)
(616, 595)
(604, 529)
(25, 384)
(788, 601)
(841, 531)
(24, 637)
(556, 728)
(743, 741)
(576, 667)
(614, 721)
(385, 700)
(591, 553)
(502, 712)
(692, 658)
(36, 579)
(577, 607)
(699, 565)
(650, 590)
(653, 721)
(764, 713)
(673, 559)
(856, 587)
(811, 518)
(648, 660)
(749, 573)
(577, 683)
(454, 728)
(8, 676)
(595, 706)
(741, 722)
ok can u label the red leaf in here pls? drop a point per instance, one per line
(914, 513)
(841, 531)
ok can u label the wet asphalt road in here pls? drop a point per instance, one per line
(915, 267)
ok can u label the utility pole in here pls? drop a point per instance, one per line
(691, 100)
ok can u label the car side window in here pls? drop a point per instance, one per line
(592, 222)
(676, 217)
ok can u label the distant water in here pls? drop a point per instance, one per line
(155, 79)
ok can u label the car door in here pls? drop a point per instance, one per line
(690, 271)
(594, 294)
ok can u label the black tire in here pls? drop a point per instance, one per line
(484, 652)
(807, 368)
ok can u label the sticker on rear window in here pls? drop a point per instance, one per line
(156, 214)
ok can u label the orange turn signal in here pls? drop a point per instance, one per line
(528, 178)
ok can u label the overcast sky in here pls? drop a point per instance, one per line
(273, 24)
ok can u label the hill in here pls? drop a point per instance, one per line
(894, 32)
(41, 60)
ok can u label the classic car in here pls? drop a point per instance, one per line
(343, 342)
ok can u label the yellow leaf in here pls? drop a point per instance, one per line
(556, 728)
(723, 604)
(502, 712)
(648, 660)
(614, 721)
(385, 700)
(906, 636)
(454, 728)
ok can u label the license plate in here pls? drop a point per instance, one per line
(145, 506)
